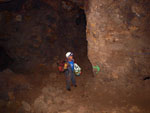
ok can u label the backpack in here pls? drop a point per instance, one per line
(61, 66)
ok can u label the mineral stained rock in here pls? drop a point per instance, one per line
(118, 37)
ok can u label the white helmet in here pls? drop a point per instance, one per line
(69, 54)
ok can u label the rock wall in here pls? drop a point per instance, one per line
(28, 33)
(118, 37)
(38, 33)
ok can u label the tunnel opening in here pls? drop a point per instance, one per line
(81, 18)
(72, 31)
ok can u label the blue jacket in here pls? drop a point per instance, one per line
(71, 63)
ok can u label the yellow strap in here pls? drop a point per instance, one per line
(65, 66)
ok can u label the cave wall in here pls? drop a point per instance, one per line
(28, 33)
(38, 33)
(118, 37)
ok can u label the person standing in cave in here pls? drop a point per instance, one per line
(69, 71)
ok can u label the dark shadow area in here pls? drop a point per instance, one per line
(72, 36)
(5, 60)
(12, 5)
(146, 78)
(81, 18)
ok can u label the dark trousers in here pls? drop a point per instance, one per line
(70, 77)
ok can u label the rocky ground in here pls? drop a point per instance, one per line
(43, 93)
(46, 93)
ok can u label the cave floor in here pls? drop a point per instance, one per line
(45, 92)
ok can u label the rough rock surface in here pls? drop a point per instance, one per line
(118, 37)
(118, 42)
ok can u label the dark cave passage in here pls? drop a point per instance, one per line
(72, 32)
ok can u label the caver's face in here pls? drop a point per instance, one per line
(70, 58)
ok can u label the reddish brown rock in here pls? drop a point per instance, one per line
(118, 37)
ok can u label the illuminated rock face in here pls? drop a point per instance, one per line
(118, 37)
